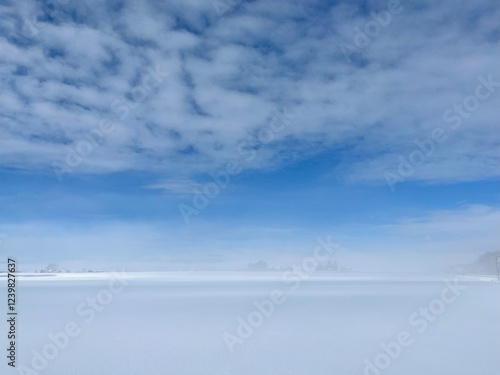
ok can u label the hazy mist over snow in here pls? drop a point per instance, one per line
(428, 243)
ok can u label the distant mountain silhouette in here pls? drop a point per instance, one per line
(484, 264)
(258, 266)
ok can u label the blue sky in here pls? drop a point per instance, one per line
(373, 122)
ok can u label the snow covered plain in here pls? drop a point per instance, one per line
(256, 324)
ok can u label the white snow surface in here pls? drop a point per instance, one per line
(331, 324)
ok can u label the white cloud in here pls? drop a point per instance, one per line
(228, 73)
